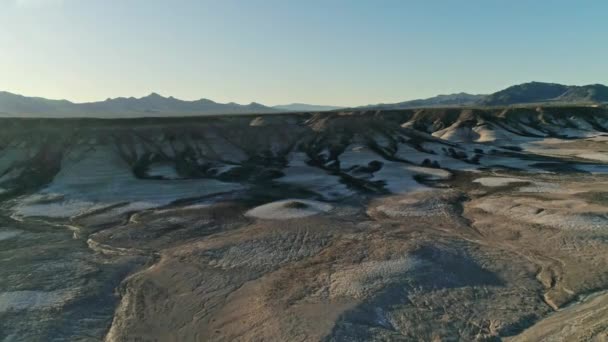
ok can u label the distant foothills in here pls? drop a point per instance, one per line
(13, 105)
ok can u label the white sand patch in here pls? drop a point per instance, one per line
(430, 173)
(58, 209)
(312, 178)
(600, 156)
(289, 209)
(164, 170)
(356, 155)
(6, 234)
(410, 154)
(398, 178)
(258, 121)
(191, 207)
(33, 300)
(532, 187)
(101, 179)
(498, 181)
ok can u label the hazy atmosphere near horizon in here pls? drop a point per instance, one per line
(339, 52)
(311, 170)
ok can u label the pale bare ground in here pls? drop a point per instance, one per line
(408, 267)
(369, 232)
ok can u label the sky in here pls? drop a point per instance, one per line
(332, 52)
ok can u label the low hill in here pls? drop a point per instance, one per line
(538, 92)
(521, 94)
(459, 99)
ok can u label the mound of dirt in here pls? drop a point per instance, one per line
(289, 209)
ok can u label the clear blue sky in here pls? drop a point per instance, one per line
(342, 52)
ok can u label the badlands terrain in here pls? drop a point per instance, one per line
(380, 225)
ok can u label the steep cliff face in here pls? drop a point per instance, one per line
(337, 226)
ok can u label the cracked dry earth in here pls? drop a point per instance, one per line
(425, 225)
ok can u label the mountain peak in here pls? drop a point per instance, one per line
(154, 95)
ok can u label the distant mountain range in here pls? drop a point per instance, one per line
(302, 107)
(151, 105)
(522, 94)
(459, 99)
(157, 105)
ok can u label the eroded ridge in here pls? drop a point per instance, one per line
(428, 224)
